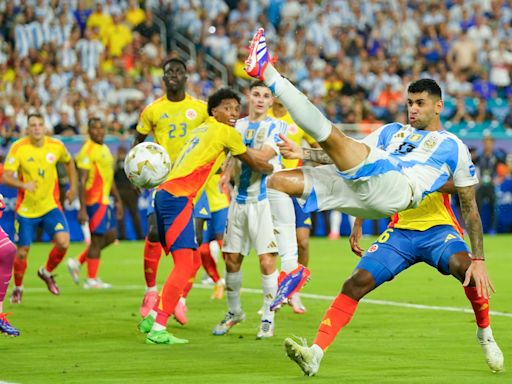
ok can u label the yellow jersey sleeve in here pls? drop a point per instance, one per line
(83, 158)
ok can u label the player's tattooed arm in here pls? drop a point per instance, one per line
(471, 216)
(316, 155)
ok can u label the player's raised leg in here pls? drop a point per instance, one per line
(345, 152)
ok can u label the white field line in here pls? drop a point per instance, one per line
(323, 297)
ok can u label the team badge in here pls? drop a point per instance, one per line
(431, 142)
(373, 248)
(50, 157)
(249, 135)
(292, 129)
(191, 114)
(415, 137)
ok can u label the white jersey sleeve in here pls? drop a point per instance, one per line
(464, 174)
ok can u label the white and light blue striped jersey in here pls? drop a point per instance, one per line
(428, 158)
(250, 186)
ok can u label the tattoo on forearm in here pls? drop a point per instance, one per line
(316, 155)
(471, 217)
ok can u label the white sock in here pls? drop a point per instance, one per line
(233, 285)
(317, 349)
(151, 289)
(303, 112)
(335, 219)
(269, 286)
(152, 314)
(283, 217)
(215, 249)
(158, 327)
(351, 221)
(183, 300)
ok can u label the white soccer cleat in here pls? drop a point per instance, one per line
(296, 304)
(74, 270)
(230, 320)
(266, 330)
(96, 284)
(307, 358)
(492, 352)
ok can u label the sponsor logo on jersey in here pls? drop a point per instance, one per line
(164, 116)
(191, 114)
(449, 237)
(373, 248)
(30, 159)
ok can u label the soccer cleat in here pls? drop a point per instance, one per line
(163, 337)
(296, 304)
(49, 280)
(180, 313)
(96, 283)
(218, 290)
(146, 324)
(74, 270)
(258, 58)
(230, 320)
(16, 295)
(307, 358)
(148, 302)
(291, 284)
(6, 328)
(266, 330)
(492, 352)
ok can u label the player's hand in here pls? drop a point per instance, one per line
(289, 149)
(119, 210)
(70, 195)
(355, 237)
(30, 186)
(2, 202)
(478, 272)
(82, 216)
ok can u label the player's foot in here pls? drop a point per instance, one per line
(6, 328)
(296, 303)
(49, 280)
(74, 270)
(230, 320)
(180, 313)
(163, 337)
(334, 236)
(16, 295)
(291, 284)
(266, 330)
(146, 324)
(258, 56)
(492, 352)
(96, 283)
(148, 302)
(307, 358)
(218, 290)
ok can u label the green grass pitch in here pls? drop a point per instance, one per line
(91, 336)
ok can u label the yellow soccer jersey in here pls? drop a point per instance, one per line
(217, 199)
(171, 122)
(295, 134)
(38, 164)
(434, 210)
(202, 156)
(98, 160)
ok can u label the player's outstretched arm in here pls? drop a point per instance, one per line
(355, 237)
(73, 181)
(290, 150)
(83, 175)
(477, 270)
(12, 181)
(255, 159)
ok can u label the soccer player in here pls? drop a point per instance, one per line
(302, 219)
(170, 118)
(389, 171)
(7, 255)
(95, 165)
(34, 158)
(250, 216)
(201, 157)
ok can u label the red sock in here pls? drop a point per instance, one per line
(55, 257)
(196, 265)
(337, 316)
(83, 256)
(92, 267)
(209, 264)
(173, 288)
(20, 266)
(152, 254)
(480, 307)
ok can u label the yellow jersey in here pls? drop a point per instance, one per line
(202, 156)
(171, 122)
(434, 210)
(295, 134)
(38, 164)
(217, 199)
(98, 160)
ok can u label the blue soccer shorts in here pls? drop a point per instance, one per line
(202, 208)
(216, 225)
(302, 219)
(53, 222)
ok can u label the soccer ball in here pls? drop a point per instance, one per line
(147, 165)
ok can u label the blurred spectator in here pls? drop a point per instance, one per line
(462, 56)
(501, 64)
(482, 113)
(148, 27)
(117, 35)
(134, 15)
(64, 128)
(461, 114)
(483, 88)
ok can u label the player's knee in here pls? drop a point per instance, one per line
(232, 263)
(459, 264)
(22, 253)
(303, 244)
(153, 234)
(359, 284)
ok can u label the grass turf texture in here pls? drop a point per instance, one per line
(86, 336)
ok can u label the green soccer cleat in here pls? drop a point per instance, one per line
(163, 337)
(146, 324)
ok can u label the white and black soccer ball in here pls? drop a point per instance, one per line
(147, 165)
